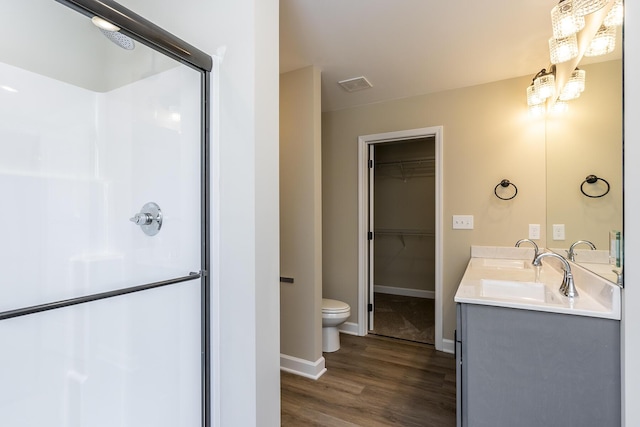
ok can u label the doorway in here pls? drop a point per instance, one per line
(400, 280)
(402, 248)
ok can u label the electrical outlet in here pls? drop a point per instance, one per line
(558, 231)
(534, 231)
(463, 222)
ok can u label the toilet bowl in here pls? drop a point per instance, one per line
(334, 314)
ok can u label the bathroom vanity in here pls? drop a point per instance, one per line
(528, 356)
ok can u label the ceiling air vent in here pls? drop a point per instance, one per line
(354, 84)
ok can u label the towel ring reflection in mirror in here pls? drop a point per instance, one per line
(504, 184)
(592, 179)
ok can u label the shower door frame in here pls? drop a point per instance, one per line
(148, 33)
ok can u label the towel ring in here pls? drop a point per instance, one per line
(592, 179)
(505, 183)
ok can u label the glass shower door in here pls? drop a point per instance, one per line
(102, 227)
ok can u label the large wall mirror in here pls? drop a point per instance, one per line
(586, 140)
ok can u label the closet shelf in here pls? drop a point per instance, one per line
(405, 232)
(413, 168)
(402, 233)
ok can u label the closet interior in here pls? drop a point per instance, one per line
(404, 239)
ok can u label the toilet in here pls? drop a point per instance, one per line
(334, 314)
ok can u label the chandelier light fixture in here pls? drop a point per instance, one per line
(532, 96)
(585, 7)
(615, 17)
(563, 49)
(564, 21)
(603, 42)
(574, 86)
(545, 82)
(568, 20)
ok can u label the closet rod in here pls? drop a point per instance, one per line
(407, 162)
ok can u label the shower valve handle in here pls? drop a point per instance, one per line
(149, 219)
(142, 218)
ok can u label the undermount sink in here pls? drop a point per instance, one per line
(532, 291)
(517, 264)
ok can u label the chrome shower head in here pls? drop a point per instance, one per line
(118, 38)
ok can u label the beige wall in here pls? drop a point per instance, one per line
(592, 128)
(488, 136)
(300, 214)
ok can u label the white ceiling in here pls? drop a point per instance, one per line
(414, 47)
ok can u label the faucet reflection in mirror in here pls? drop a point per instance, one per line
(580, 28)
(571, 256)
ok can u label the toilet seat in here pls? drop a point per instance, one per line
(332, 306)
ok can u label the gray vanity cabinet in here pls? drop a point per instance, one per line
(519, 368)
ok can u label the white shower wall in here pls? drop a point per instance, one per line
(149, 135)
(75, 165)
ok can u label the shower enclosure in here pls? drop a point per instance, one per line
(104, 300)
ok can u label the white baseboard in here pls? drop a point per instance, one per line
(349, 328)
(404, 292)
(448, 346)
(302, 367)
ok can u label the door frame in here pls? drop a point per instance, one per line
(364, 143)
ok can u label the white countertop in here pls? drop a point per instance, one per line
(516, 283)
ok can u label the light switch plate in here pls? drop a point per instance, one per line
(463, 222)
(534, 231)
(558, 231)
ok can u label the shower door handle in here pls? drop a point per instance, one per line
(149, 219)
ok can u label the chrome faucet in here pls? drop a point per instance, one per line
(567, 288)
(535, 247)
(571, 255)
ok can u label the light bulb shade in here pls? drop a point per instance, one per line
(532, 96)
(615, 17)
(578, 79)
(545, 85)
(574, 86)
(564, 49)
(564, 21)
(585, 7)
(603, 42)
(569, 92)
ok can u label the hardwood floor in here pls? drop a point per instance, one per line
(375, 381)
